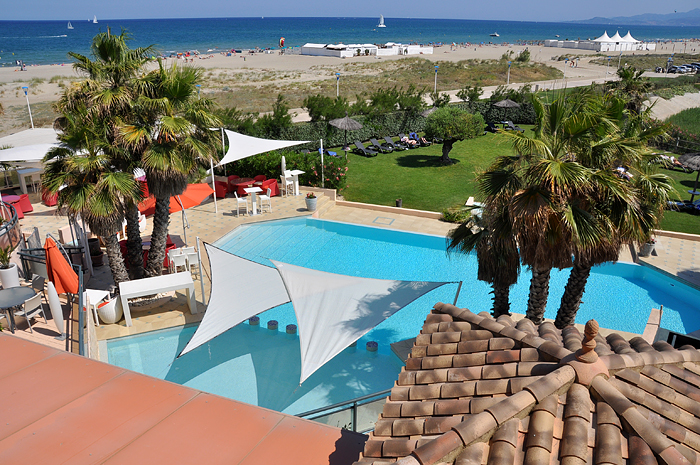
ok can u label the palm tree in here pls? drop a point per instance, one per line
(541, 186)
(112, 85)
(632, 86)
(172, 132)
(80, 171)
(623, 209)
(496, 253)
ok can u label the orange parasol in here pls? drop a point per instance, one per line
(193, 196)
(60, 272)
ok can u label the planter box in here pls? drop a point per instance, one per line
(646, 249)
(311, 204)
(9, 277)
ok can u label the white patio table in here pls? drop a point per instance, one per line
(147, 286)
(295, 176)
(253, 198)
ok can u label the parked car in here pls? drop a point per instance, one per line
(674, 70)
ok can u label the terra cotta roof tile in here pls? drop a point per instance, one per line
(478, 390)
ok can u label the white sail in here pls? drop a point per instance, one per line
(94, 19)
(70, 26)
(381, 21)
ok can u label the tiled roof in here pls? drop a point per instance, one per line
(481, 390)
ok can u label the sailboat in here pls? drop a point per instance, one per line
(94, 19)
(70, 26)
(381, 21)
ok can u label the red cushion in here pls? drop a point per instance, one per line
(25, 204)
(103, 304)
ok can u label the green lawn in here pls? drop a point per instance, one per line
(418, 177)
(681, 221)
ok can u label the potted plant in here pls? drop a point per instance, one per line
(647, 248)
(311, 201)
(9, 274)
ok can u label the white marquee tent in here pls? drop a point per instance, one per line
(332, 310)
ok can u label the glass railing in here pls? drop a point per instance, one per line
(359, 414)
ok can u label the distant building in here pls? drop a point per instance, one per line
(346, 51)
(605, 43)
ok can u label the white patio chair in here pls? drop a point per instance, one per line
(267, 197)
(178, 261)
(240, 201)
(38, 283)
(287, 184)
(31, 308)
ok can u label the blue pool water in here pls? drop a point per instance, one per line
(262, 367)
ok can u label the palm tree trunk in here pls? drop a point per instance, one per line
(501, 302)
(116, 262)
(156, 254)
(446, 148)
(539, 291)
(133, 242)
(573, 292)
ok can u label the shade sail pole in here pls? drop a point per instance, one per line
(213, 185)
(201, 273)
(323, 177)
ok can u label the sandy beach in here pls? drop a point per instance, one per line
(45, 81)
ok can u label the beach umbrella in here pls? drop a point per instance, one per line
(346, 124)
(427, 112)
(283, 164)
(507, 103)
(60, 273)
(692, 161)
(193, 195)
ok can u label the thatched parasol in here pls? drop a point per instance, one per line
(346, 124)
(692, 161)
(507, 103)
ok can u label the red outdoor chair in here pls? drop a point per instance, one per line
(25, 204)
(221, 188)
(231, 187)
(18, 209)
(49, 199)
(240, 191)
(272, 185)
(260, 178)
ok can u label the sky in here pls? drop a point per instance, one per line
(507, 10)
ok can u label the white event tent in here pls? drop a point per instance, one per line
(332, 310)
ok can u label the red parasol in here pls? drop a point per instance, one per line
(193, 196)
(60, 272)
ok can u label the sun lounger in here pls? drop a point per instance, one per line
(407, 142)
(512, 127)
(395, 145)
(328, 153)
(491, 127)
(384, 148)
(364, 151)
(684, 206)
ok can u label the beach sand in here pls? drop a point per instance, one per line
(307, 68)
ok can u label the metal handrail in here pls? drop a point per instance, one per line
(8, 223)
(351, 404)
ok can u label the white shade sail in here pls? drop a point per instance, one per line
(30, 137)
(241, 146)
(240, 288)
(333, 310)
(25, 153)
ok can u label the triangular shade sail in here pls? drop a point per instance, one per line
(193, 195)
(240, 288)
(333, 310)
(241, 146)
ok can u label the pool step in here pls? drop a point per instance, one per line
(324, 204)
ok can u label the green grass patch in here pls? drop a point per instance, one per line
(681, 221)
(688, 120)
(418, 177)
(646, 61)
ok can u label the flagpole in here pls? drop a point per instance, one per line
(213, 184)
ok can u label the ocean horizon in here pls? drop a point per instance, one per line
(48, 42)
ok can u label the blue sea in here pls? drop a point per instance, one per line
(48, 42)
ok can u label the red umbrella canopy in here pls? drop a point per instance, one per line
(60, 272)
(193, 196)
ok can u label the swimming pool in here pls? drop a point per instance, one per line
(259, 366)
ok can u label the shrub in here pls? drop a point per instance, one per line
(322, 108)
(523, 57)
(268, 164)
